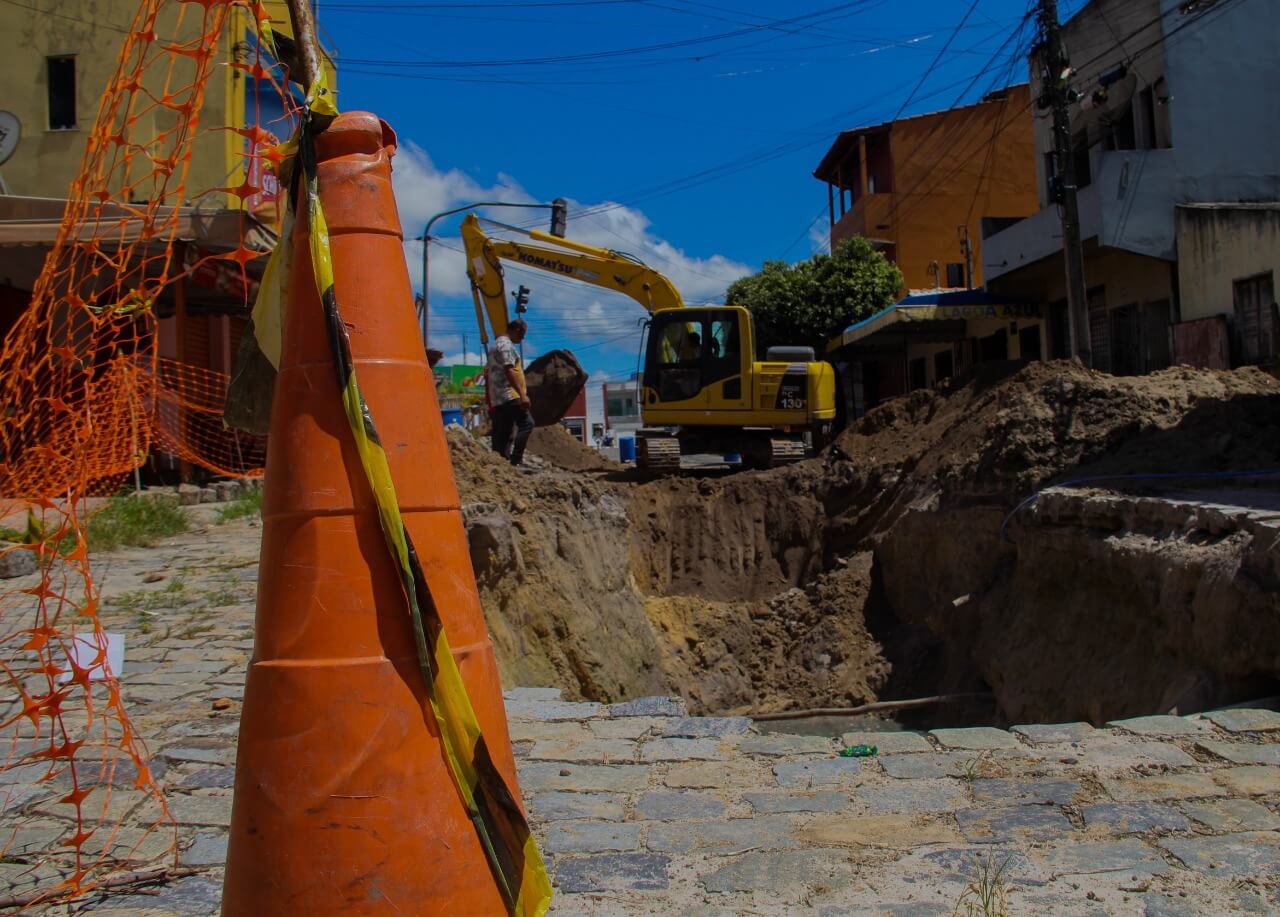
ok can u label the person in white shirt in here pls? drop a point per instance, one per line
(508, 395)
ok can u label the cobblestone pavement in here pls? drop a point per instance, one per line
(641, 809)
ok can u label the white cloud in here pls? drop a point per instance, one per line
(820, 236)
(562, 313)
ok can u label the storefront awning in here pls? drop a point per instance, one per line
(944, 311)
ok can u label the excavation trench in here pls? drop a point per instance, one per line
(893, 565)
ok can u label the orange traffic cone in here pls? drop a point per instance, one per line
(344, 801)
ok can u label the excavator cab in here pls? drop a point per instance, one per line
(704, 392)
(695, 357)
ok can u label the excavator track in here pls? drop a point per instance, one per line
(770, 452)
(657, 453)
(785, 451)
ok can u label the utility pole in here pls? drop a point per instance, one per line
(1063, 184)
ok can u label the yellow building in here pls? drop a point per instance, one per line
(61, 59)
(920, 187)
(61, 56)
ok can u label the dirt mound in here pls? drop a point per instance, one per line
(1004, 436)
(563, 450)
(550, 554)
(881, 568)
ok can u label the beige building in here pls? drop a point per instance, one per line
(1228, 258)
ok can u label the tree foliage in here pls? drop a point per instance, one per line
(812, 301)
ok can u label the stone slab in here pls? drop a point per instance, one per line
(550, 711)
(1011, 791)
(1119, 818)
(1232, 815)
(1127, 855)
(1245, 720)
(1252, 853)
(206, 809)
(206, 850)
(193, 897)
(532, 694)
(1054, 733)
(1012, 824)
(1161, 786)
(769, 872)
(706, 727)
(765, 832)
(918, 767)
(583, 778)
(590, 837)
(906, 796)
(976, 738)
(1241, 753)
(681, 750)
(556, 806)
(822, 801)
(1253, 780)
(649, 706)
(210, 778)
(1161, 726)
(706, 774)
(888, 743)
(613, 872)
(969, 863)
(826, 772)
(628, 727)
(782, 744)
(592, 751)
(669, 805)
(897, 832)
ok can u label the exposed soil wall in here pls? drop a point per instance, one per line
(880, 567)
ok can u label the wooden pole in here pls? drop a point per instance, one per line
(303, 21)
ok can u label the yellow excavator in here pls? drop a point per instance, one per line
(702, 388)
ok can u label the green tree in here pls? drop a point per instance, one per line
(812, 301)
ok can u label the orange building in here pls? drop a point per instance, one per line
(924, 188)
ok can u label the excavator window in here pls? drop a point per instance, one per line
(723, 350)
(678, 360)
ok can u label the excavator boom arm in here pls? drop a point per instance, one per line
(599, 267)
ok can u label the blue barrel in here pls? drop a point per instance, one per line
(627, 448)
(452, 417)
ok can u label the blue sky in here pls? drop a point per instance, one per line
(681, 131)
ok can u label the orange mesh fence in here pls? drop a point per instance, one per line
(88, 390)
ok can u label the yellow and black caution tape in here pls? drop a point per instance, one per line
(504, 833)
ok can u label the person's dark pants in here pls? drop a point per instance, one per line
(508, 418)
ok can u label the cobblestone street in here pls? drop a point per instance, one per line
(641, 809)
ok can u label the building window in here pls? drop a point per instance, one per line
(1255, 314)
(917, 379)
(955, 275)
(62, 93)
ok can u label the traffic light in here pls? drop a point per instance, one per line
(559, 217)
(522, 299)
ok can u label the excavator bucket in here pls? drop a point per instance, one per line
(554, 381)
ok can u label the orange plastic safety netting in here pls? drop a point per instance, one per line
(164, 234)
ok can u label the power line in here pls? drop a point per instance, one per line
(606, 53)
